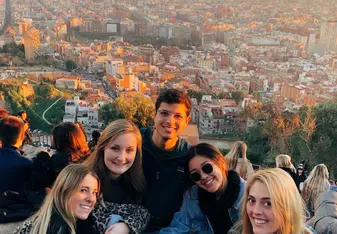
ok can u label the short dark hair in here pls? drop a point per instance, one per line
(174, 96)
(95, 134)
(21, 112)
(10, 129)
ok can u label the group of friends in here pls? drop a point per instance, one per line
(148, 181)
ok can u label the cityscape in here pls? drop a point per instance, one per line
(68, 60)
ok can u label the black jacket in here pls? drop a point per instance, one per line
(166, 174)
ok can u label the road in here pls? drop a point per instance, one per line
(43, 115)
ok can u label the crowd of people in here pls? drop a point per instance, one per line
(130, 180)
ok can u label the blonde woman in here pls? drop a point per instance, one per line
(283, 161)
(316, 183)
(272, 204)
(237, 160)
(70, 207)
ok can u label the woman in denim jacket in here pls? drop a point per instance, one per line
(213, 204)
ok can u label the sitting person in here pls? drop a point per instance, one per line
(117, 160)
(283, 161)
(325, 219)
(316, 183)
(69, 146)
(95, 136)
(212, 205)
(237, 160)
(71, 208)
(15, 170)
(272, 204)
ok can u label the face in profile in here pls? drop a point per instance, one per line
(206, 174)
(260, 211)
(84, 199)
(170, 120)
(120, 153)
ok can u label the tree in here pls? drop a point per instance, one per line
(138, 110)
(70, 65)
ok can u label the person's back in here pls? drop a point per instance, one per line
(165, 160)
(15, 170)
(325, 219)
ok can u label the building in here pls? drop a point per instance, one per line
(31, 42)
(68, 83)
(328, 35)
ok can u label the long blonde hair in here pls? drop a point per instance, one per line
(95, 161)
(286, 202)
(66, 184)
(316, 183)
(284, 160)
(239, 150)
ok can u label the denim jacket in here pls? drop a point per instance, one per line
(190, 219)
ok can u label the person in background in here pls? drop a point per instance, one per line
(316, 183)
(95, 136)
(272, 204)
(28, 135)
(300, 176)
(283, 161)
(237, 160)
(325, 219)
(3, 113)
(165, 160)
(69, 146)
(71, 207)
(212, 204)
(15, 170)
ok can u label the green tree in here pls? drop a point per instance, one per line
(70, 65)
(138, 110)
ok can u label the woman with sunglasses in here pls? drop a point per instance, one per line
(212, 204)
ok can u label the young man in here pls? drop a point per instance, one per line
(15, 170)
(300, 176)
(165, 161)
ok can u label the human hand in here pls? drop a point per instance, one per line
(118, 228)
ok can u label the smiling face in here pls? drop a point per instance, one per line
(170, 120)
(120, 153)
(83, 200)
(211, 182)
(259, 210)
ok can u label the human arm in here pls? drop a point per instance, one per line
(135, 216)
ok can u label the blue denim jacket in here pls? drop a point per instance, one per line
(190, 219)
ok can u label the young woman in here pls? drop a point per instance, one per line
(316, 183)
(70, 208)
(283, 161)
(237, 160)
(272, 204)
(117, 160)
(211, 205)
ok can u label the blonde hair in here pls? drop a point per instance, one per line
(57, 200)
(316, 183)
(95, 161)
(239, 149)
(286, 202)
(284, 160)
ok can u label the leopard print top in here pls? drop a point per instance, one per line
(136, 217)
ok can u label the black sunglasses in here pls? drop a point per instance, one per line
(196, 176)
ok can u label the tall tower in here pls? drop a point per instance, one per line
(328, 35)
(31, 42)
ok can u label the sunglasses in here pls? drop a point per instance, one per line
(196, 176)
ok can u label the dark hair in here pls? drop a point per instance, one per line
(211, 152)
(95, 134)
(10, 129)
(21, 112)
(69, 138)
(174, 96)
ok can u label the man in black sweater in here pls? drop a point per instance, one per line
(165, 161)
